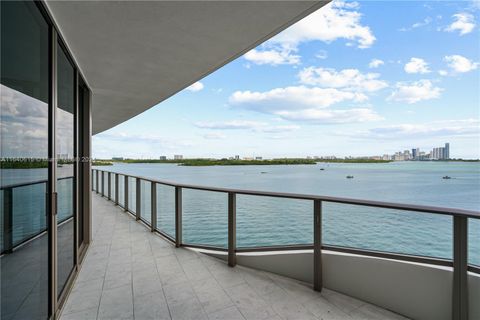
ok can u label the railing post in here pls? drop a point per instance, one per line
(116, 189)
(7, 220)
(178, 216)
(138, 197)
(96, 182)
(232, 229)
(109, 186)
(125, 197)
(153, 206)
(317, 245)
(460, 268)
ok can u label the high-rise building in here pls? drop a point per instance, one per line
(163, 157)
(446, 151)
(415, 153)
(178, 157)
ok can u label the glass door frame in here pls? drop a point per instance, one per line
(82, 166)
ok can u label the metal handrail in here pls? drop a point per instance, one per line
(299, 196)
(459, 263)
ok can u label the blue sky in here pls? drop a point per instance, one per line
(354, 78)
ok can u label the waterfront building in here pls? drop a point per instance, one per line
(163, 158)
(237, 157)
(446, 151)
(178, 157)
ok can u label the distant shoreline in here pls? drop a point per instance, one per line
(16, 164)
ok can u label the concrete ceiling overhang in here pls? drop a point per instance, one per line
(135, 54)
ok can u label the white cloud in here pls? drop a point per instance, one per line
(197, 86)
(375, 63)
(245, 125)
(346, 78)
(229, 125)
(326, 116)
(273, 56)
(280, 129)
(336, 20)
(450, 128)
(423, 23)
(464, 23)
(214, 136)
(460, 64)
(416, 65)
(415, 91)
(304, 104)
(443, 72)
(295, 97)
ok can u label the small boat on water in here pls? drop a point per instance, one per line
(263, 172)
(349, 177)
(321, 169)
(446, 177)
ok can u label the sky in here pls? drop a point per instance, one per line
(352, 79)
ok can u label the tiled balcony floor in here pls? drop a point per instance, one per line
(130, 273)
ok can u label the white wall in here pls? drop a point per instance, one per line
(417, 291)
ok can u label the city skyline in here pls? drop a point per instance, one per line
(341, 81)
(436, 153)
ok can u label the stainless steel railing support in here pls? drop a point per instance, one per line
(317, 245)
(460, 268)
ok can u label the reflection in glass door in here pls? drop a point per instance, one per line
(64, 119)
(24, 94)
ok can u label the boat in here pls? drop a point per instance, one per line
(446, 177)
(321, 169)
(349, 177)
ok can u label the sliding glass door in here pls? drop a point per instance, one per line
(24, 120)
(44, 149)
(65, 141)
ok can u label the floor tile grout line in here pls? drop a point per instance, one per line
(105, 273)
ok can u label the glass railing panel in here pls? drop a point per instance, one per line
(166, 209)
(145, 205)
(65, 199)
(112, 186)
(269, 221)
(94, 180)
(100, 182)
(396, 231)
(105, 184)
(132, 194)
(205, 217)
(28, 211)
(474, 242)
(121, 190)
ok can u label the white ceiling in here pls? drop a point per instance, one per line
(135, 54)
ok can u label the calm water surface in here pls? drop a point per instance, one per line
(273, 221)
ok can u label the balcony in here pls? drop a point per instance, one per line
(157, 269)
(132, 273)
